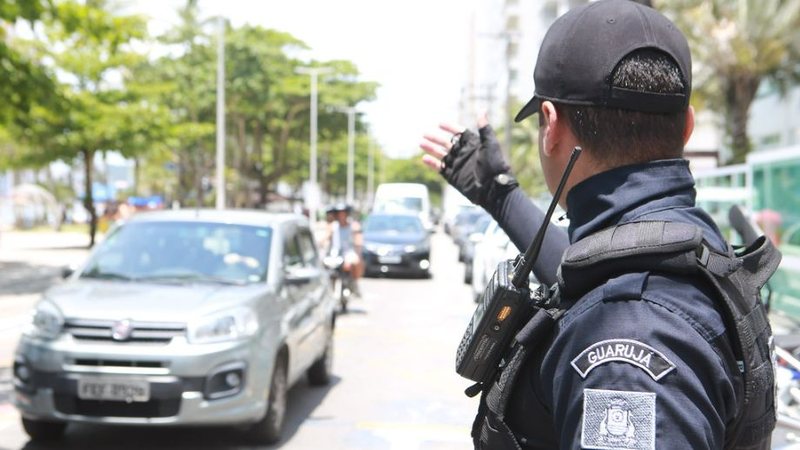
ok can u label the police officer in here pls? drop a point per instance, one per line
(645, 359)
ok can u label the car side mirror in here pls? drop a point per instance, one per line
(475, 237)
(67, 271)
(299, 275)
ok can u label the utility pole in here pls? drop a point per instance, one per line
(370, 174)
(508, 39)
(507, 104)
(220, 182)
(312, 160)
(351, 145)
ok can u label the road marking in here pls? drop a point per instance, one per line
(401, 435)
(8, 416)
(14, 323)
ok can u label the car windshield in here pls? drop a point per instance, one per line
(183, 252)
(400, 204)
(393, 224)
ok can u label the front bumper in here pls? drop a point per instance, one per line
(403, 263)
(180, 383)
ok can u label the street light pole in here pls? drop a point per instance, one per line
(312, 160)
(370, 174)
(351, 144)
(220, 182)
(507, 103)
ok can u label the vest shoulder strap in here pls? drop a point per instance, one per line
(631, 247)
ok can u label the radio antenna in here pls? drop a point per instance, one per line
(523, 268)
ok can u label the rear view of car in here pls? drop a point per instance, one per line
(396, 244)
(180, 318)
(404, 198)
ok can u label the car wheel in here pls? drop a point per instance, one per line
(268, 430)
(42, 431)
(319, 374)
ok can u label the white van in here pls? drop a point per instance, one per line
(404, 197)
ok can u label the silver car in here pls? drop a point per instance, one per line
(180, 318)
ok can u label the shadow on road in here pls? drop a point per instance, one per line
(18, 278)
(303, 400)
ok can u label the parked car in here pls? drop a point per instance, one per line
(467, 247)
(180, 318)
(463, 226)
(494, 247)
(411, 198)
(396, 244)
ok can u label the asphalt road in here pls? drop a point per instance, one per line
(394, 385)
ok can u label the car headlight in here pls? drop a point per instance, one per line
(420, 247)
(47, 321)
(223, 326)
(372, 248)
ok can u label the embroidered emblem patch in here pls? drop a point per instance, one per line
(618, 420)
(626, 350)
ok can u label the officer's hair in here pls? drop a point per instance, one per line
(618, 136)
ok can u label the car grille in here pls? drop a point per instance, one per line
(142, 332)
(117, 363)
(67, 404)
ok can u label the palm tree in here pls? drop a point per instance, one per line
(737, 44)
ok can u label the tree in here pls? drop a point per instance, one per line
(524, 155)
(25, 80)
(88, 46)
(183, 82)
(738, 44)
(412, 170)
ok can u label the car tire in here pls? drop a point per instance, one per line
(43, 431)
(268, 429)
(319, 374)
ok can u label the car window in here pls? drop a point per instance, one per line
(307, 248)
(292, 256)
(393, 224)
(190, 251)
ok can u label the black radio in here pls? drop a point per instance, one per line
(507, 303)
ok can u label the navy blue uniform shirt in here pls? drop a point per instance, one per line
(642, 361)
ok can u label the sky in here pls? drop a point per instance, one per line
(417, 51)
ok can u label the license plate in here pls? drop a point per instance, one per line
(390, 259)
(126, 390)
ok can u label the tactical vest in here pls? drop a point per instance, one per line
(668, 248)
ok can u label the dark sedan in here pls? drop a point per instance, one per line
(397, 244)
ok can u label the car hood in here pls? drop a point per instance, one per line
(394, 238)
(115, 300)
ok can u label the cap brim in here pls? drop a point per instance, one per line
(531, 108)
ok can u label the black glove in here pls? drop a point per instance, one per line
(475, 167)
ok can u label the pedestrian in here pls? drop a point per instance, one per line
(637, 356)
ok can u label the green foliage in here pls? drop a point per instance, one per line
(161, 111)
(412, 170)
(737, 44)
(25, 80)
(524, 154)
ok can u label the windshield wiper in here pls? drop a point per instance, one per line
(201, 277)
(107, 276)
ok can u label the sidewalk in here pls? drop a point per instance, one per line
(30, 262)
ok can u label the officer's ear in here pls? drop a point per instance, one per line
(688, 127)
(551, 127)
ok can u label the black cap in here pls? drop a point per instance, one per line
(583, 47)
